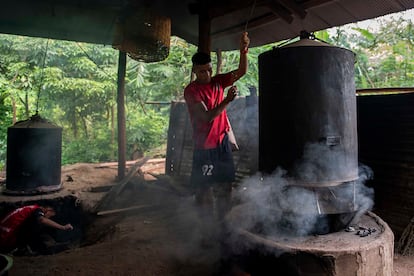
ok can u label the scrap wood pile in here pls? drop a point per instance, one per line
(405, 245)
(140, 171)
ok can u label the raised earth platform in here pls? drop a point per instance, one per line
(339, 253)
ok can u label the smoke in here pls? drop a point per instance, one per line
(322, 162)
(364, 194)
(272, 206)
(276, 206)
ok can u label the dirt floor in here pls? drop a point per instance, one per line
(154, 230)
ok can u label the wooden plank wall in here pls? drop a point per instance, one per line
(179, 143)
(386, 145)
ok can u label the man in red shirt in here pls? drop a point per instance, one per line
(213, 165)
(24, 225)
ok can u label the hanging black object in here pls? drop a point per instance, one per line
(34, 148)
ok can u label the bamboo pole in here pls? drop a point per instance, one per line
(120, 210)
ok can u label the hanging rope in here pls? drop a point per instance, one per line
(41, 77)
(250, 15)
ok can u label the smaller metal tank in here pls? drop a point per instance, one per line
(34, 148)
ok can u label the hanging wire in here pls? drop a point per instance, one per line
(250, 15)
(41, 76)
(141, 102)
(94, 62)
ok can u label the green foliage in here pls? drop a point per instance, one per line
(5, 122)
(385, 57)
(164, 80)
(146, 131)
(98, 147)
(74, 85)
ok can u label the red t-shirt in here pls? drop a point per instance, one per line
(11, 223)
(208, 135)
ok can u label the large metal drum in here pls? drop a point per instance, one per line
(34, 151)
(307, 113)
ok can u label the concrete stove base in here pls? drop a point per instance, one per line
(338, 254)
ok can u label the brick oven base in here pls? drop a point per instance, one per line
(339, 253)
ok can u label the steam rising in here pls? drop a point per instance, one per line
(313, 168)
(274, 205)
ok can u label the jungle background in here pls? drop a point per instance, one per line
(74, 85)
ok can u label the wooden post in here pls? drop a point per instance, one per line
(219, 61)
(204, 29)
(121, 115)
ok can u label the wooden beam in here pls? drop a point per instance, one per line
(204, 25)
(204, 30)
(253, 23)
(280, 11)
(275, 6)
(227, 7)
(223, 8)
(389, 90)
(314, 3)
(293, 7)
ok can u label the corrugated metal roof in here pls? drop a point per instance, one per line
(268, 20)
(318, 17)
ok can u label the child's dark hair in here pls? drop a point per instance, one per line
(201, 58)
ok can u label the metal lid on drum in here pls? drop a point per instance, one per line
(306, 42)
(34, 122)
(308, 39)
